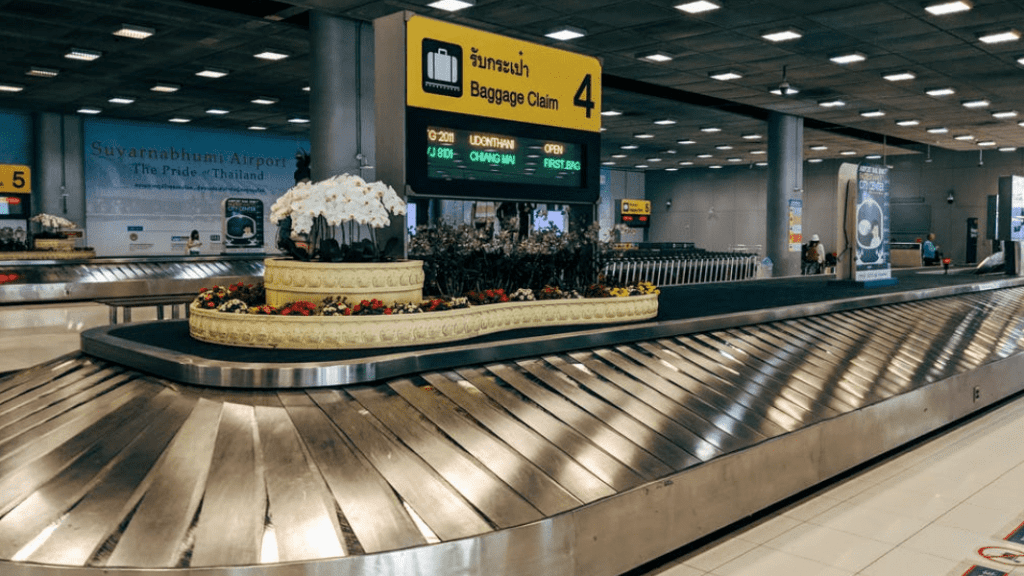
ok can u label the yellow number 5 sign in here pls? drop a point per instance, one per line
(15, 178)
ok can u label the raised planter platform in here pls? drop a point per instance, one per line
(357, 332)
(290, 280)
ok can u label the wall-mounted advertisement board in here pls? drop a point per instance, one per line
(863, 239)
(1011, 208)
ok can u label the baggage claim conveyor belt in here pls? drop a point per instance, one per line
(585, 454)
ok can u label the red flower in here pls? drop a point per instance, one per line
(388, 311)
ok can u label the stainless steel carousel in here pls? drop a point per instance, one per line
(586, 453)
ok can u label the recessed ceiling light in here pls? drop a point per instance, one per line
(848, 58)
(873, 157)
(685, 163)
(762, 164)
(986, 143)
(872, 113)
(611, 113)
(751, 136)
(11, 87)
(608, 163)
(943, 8)
(815, 160)
(180, 120)
(705, 155)
(134, 32)
(671, 169)
(121, 100)
(41, 72)
(82, 54)
(257, 127)
(734, 160)
(641, 166)
(723, 147)
(938, 130)
(1005, 114)
(899, 76)
(910, 122)
(686, 141)
(657, 56)
(758, 152)
(619, 155)
(1000, 37)
(833, 103)
(819, 147)
(452, 5)
(698, 7)
(782, 35)
(564, 33)
(710, 129)
(265, 100)
(298, 120)
(305, 88)
(166, 87)
(980, 103)
(629, 147)
(643, 136)
(1008, 149)
(271, 55)
(715, 167)
(654, 159)
(725, 75)
(665, 122)
(940, 92)
(217, 111)
(670, 152)
(212, 73)
(963, 137)
(849, 152)
(603, 129)
(89, 110)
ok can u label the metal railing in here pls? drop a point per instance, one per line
(684, 269)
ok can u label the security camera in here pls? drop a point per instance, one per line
(949, 199)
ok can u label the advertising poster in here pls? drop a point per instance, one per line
(1011, 208)
(796, 225)
(16, 145)
(872, 224)
(148, 186)
(243, 225)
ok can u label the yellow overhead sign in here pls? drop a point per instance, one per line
(15, 179)
(458, 69)
(639, 207)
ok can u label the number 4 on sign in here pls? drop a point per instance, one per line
(583, 98)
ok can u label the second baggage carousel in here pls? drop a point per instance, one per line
(581, 453)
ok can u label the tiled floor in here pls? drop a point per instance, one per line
(37, 333)
(929, 511)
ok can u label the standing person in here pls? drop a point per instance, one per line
(193, 243)
(813, 257)
(929, 251)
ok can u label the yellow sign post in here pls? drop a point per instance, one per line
(457, 69)
(637, 207)
(15, 179)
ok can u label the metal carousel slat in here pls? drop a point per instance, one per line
(578, 446)
(536, 448)
(61, 400)
(539, 489)
(895, 368)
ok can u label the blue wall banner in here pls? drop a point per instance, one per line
(16, 140)
(172, 180)
(872, 223)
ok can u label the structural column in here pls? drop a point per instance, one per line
(341, 97)
(785, 183)
(58, 172)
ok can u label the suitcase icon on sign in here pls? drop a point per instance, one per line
(442, 68)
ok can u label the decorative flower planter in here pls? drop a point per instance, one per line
(354, 332)
(288, 280)
(58, 244)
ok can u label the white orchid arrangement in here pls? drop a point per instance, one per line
(51, 222)
(319, 209)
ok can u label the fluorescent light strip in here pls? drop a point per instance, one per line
(872, 113)
(751, 136)
(255, 127)
(848, 58)
(273, 55)
(641, 166)
(264, 100)
(815, 160)
(963, 137)
(657, 57)
(698, 7)
(629, 147)
(121, 100)
(134, 32)
(608, 163)
(212, 73)
(611, 113)
(725, 75)
(981, 103)
(298, 120)
(654, 159)
(848, 153)
(873, 157)
(89, 110)
(564, 33)
(452, 5)
(619, 155)
(217, 111)
(938, 130)
(723, 147)
(11, 87)
(907, 122)
(671, 169)
(180, 120)
(686, 141)
(937, 92)
(41, 72)
(1000, 37)
(685, 163)
(643, 136)
(782, 35)
(166, 88)
(986, 143)
(82, 54)
(762, 164)
(899, 76)
(944, 8)
(665, 122)
(836, 103)
(710, 129)
(819, 147)
(1005, 114)
(758, 152)
(1008, 149)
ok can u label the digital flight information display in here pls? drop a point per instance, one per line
(454, 154)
